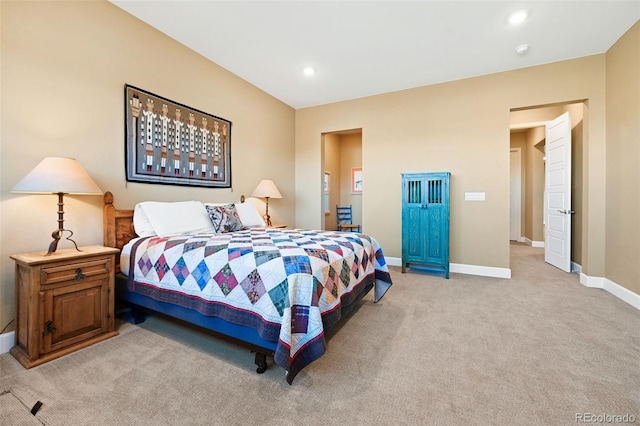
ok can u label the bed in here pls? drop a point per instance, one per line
(274, 290)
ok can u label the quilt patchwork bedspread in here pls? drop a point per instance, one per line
(281, 282)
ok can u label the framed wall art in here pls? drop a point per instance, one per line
(356, 180)
(170, 143)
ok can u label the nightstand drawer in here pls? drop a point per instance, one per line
(75, 271)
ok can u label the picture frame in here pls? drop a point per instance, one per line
(167, 142)
(356, 180)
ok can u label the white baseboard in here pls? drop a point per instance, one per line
(484, 271)
(576, 268)
(393, 261)
(615, 289)
(7, 341)
(534, 243)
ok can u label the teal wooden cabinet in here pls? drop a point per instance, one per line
(425, 221)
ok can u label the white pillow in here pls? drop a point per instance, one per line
(249, 216)
(176, 218)
(141, 223)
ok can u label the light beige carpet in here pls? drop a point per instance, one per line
(15, 407)
(539, 349)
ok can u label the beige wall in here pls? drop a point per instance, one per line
(461, 127)
(64, 67)
(623, 161)
(537, 116)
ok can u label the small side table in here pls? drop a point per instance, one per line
(279, 226)
(64, 302)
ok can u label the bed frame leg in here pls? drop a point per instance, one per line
(138, 315)
(261, 362)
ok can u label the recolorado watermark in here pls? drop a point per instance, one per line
(605, 418)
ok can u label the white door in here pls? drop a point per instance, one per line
(557, 247)
(515, 232)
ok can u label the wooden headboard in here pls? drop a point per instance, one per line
(117, 226)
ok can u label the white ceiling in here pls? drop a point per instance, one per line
(362, 48)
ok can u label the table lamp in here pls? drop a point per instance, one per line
(57, 175)
(266, 189)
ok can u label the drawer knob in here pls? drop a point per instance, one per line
(48, 328)
(79, 274)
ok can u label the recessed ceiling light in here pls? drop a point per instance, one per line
(518, 16)
(522, 49)
(309, 71)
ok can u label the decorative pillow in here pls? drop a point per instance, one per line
(249, 216)
(176, 218)
(224, 218)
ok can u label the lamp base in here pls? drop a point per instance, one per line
(267, 218)
(57, 234)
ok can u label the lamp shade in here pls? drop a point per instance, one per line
(266, 189)
(58, 175)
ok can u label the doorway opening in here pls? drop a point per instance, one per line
(528, 136)
(341, 154)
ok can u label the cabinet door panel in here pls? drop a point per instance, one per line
(73, 313)
(413, 223)
(415, 243)
(434, 243)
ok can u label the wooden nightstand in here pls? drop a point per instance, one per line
(64, 302)
(279, 226)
